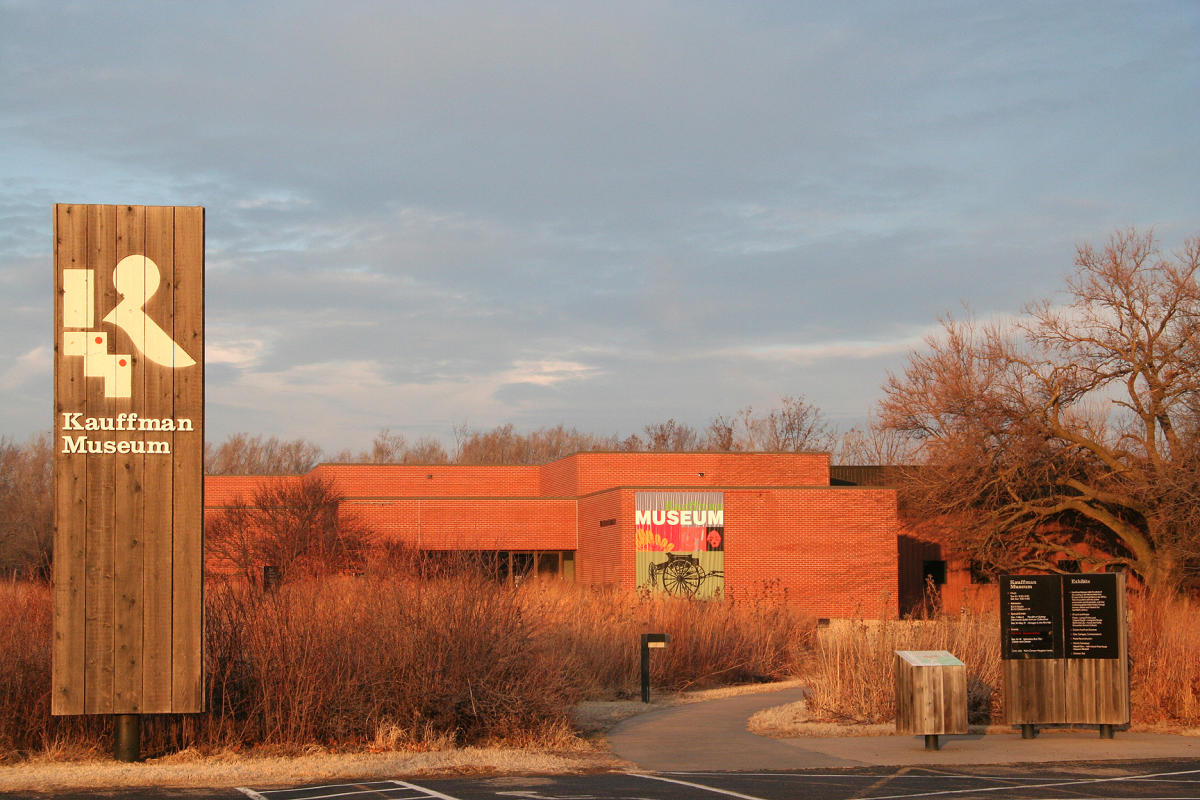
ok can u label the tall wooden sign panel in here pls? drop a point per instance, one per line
(1065, 645)
(128, 464)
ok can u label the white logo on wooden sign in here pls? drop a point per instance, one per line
(136, 279)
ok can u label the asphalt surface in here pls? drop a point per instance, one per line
(712, 736)
(1154, 780)
(703, 750)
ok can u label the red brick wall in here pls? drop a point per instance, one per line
(580, 474)
(223, 490)
(361, 480)
(599, 471)
(830, 552)
(560, 478)
(603, 550)
(471, 524)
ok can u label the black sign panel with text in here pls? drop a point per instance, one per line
(1031, 616)
(1090, 613)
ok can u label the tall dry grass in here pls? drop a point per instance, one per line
(25, 722)
(851, 677)
(853, 664)
(386, 662)
(1164, 654)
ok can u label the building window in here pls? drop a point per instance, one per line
(978, 573)
(934, 572)
(1069, 564)
(519, 566)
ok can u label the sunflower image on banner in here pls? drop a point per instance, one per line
(680, 543)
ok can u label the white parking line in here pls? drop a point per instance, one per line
(378, 788)
(712, 789)
(1016, 785)
(428, 792)
(866, 776)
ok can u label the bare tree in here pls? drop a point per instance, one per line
(721, 434)
(795, 426)
(1072, 432)
(504, 445)
(243, 454)
(26, 514)
(394, 448)
(295, 525)
(874, 444)
(671, 436)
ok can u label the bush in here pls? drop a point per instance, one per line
(852, 675)
(382, 661)
(852, 679)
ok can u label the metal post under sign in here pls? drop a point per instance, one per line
(656, 641)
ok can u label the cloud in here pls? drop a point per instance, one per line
(597, 214)
(547, 373)
(32, 365)
(242, 354)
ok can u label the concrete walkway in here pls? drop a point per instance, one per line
(712, 735)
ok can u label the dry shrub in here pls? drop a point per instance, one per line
(384, 662)
(853, 669)
(1164, 644)
(712, 643)
(339, 661)
(26, 726)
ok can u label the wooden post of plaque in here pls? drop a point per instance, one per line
(128, 459)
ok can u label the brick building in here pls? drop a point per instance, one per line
(738, 524)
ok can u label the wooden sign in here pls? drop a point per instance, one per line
(931, 692)
(1065, 648)
(128, 464)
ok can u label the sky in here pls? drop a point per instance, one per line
(422, 215)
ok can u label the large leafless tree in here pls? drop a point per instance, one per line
(1072, 431)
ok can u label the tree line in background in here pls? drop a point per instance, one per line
(1070, 433)
(26, 524)
(794, 426)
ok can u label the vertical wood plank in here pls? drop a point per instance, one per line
(188, 629)
(956, 688)
(158, 472)
(68, 646)
(128, 509)
(101, 614)
(1035, 691)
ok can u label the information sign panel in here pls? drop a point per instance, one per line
(1091, 616)
(1031, 616)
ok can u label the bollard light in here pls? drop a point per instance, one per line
(655, 641)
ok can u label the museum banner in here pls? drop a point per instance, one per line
(680, 542)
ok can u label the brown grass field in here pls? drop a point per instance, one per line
(384, 663)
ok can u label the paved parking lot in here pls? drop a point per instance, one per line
(1146, 780)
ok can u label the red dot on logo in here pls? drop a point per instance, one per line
(99, 340)
(122, 362)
